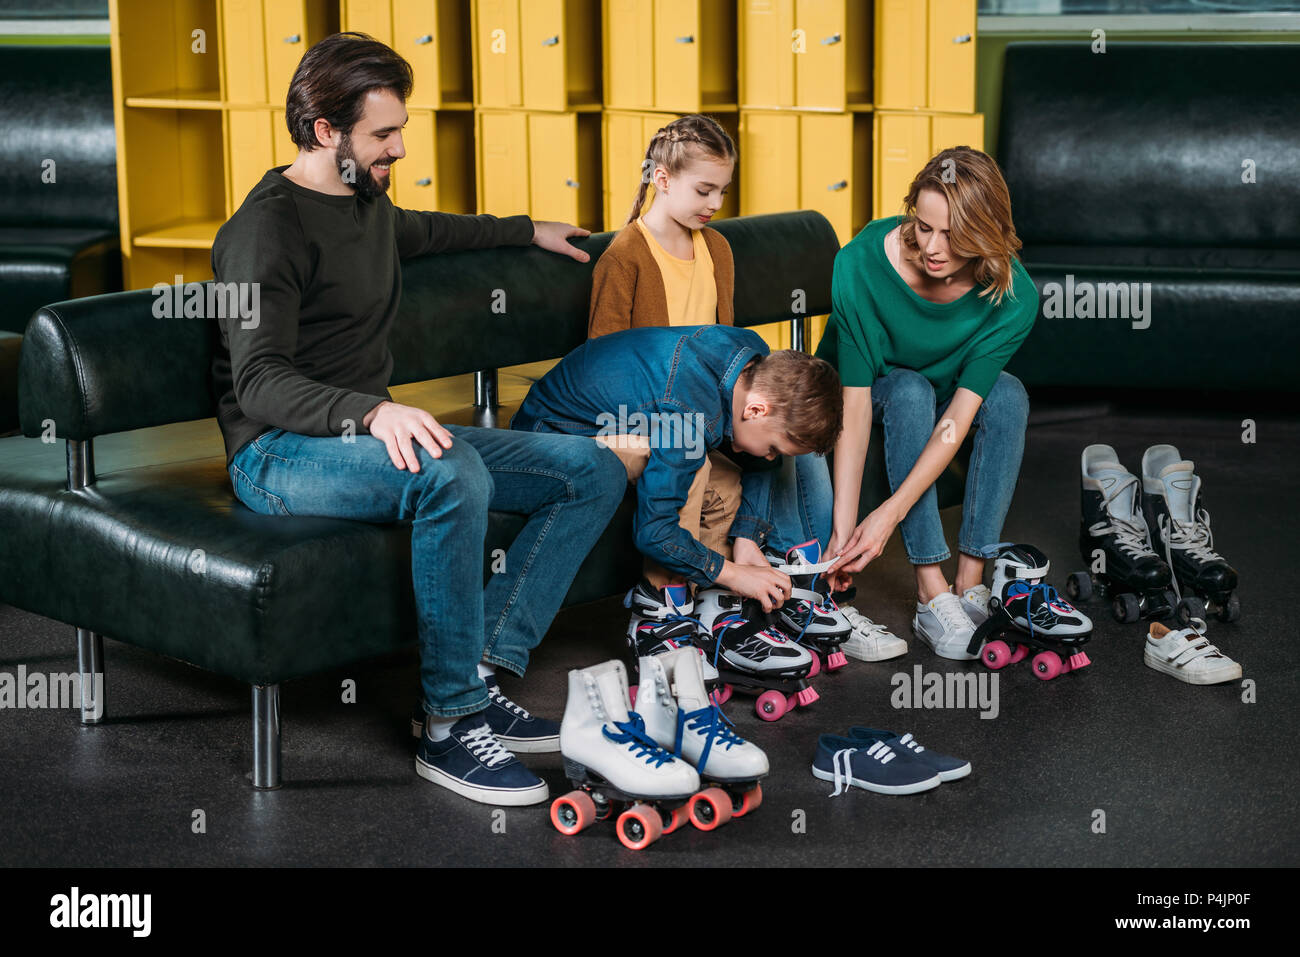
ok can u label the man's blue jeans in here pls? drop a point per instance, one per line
(568, 486)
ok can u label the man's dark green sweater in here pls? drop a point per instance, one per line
(329, 280)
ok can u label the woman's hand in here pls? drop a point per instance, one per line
(868, 539)
(837, 577)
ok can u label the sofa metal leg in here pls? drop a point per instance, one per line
(266, 737)
(486, 403)
(90, 665)
(798, 333)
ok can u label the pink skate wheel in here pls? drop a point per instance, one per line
(1020, 653)
(573, 812)
(806, 697)
(996, 654)
(721, 696)
(1065, 665)
(1047, 665)
(748, 801)
(710, 809)
(675, 820)
(1079, 660)
(770, 705)
(631, 694)
(836, 660)
(816, 668)
(639, 827)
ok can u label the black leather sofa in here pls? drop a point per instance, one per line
(1135, 166)
(58, 189)
(131, 530)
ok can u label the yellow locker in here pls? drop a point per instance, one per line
(243, 51)
(437, 172)
(901, 45)
(767, 58)
(497, 80)
(544, 44)
(628, 27)
(417, 37)
(286, 151)
(694, 55)
(819, 60)
(374, 17)
(250, 152)
(291, 27)
(835, 169)
(956, 130)
(415, 176)
(902, 148)
(769, 168)
(951, 67)
(502, 162)
(564, 168)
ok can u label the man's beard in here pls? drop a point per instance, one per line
(366, 186)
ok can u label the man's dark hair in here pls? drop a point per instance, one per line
(333, 79)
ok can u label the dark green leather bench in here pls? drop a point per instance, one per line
(1173, 164)
(131, 529)
(58, 189)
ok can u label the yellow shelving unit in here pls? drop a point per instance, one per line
(537, 54)
(906, 140)
(670, 55)
(806, 55)
(540, 163)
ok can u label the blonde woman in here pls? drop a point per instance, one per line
(927, 309)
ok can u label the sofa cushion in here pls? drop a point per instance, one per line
(10, 345)
(40, 266)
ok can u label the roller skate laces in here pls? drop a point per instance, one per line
(632, 734)
(713, 724)
(1130, 536)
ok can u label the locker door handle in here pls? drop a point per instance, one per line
(427, 38)
(833, 38)
(836, 187)
(296, 38)
(551, 41)
(572, 183)
(424, 181)
(964, 38)
(686, 39)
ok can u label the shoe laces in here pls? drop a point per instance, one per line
(1130, 534)
(948, 608)
(1193, 537)
(843, 769)
(483, 744)
(863, 625)
(714, 725)
(1046, 593)
(497, 698)
(911, 743)
(632, 733)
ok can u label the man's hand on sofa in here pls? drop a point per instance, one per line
(396, 425)
(762, 582)
(555, 237)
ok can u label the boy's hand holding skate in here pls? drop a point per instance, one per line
(751, 576)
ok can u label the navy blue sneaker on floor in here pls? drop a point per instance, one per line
(875, 766)
(474, 764)
(521, 732)
(948, 768)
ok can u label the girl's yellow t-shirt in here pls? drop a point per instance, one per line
(689, 284)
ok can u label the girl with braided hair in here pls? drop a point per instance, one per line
(667, 267)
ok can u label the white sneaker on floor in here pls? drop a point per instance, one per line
(975, 602)
(1188, 655)
(870, 641)
(942, 624)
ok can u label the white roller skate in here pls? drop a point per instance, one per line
(753, 656)
(681, 717)
(617, 768)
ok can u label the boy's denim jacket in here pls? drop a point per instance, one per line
(674, 385)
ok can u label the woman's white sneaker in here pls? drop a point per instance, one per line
(975, 602)
(870, 641)
(1188, 655)
(943, 625)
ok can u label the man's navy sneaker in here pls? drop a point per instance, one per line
(874, 766)
(948, 768)
(521, 732)
(474, 764)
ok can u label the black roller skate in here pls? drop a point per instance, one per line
(811, 617)
(1026, 612)
(1203, 579)
(1116, 544)
(662, 621)
(753, 655)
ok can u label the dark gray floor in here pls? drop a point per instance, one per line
(1185, 776)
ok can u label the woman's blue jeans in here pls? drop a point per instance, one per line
(568, 487)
